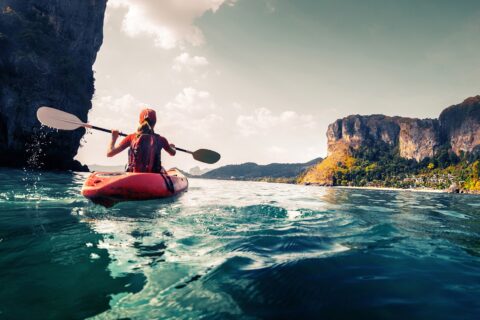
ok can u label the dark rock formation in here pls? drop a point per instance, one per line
(47, 49)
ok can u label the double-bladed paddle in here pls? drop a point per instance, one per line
(62, 120)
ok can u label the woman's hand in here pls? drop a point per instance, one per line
(111, 149)
(115, 134)
(171, 150)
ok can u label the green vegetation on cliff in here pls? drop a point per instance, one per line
(323, 172)
(382, 166)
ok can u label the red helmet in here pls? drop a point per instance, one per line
(148, 114)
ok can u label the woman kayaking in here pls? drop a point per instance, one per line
(145, 145)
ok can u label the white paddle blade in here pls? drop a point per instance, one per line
(59, 119)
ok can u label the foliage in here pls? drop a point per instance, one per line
(472, 182)
(380, 165)
(323, 173)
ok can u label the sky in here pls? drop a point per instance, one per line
(261, 80)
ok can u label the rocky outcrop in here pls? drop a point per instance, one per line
(418, 139)
(47, 49)
(415, 138)
(460, 125)
(457, 128)
(358, 130)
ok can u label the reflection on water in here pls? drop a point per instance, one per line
(237, 250)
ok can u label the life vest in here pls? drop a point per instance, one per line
(144, 153)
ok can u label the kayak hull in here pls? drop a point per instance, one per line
(108, 188)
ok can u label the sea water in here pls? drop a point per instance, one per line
(236, 250)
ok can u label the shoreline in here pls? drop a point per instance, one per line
(418, 190)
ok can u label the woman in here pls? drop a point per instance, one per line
(145, 145)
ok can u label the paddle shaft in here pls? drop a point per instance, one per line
(124, 135)
(105, 130)
(183, 150)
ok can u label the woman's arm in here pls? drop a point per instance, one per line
(169, 147)
(112, 150)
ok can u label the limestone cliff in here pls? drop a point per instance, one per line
(460, 125)
(418, 139)
(356, 130)
(458, 129)
(47, 49)
(415, 138)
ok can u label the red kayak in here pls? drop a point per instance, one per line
(108, 188)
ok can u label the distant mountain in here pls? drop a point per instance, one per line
(197, 171)
(275, 172)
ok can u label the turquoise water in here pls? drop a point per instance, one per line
(236, 250)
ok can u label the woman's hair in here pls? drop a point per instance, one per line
(145, 127)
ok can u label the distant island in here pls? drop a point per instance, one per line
(391, 152)
(274, 172)
(197, 171)
(381, 151)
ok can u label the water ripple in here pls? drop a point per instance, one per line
(239, 250)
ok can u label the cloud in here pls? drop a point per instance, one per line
(264, 121)
(116, 113)
(191, 116)
(193, 112)
(169, 22)
(192, 101)
(188, 63)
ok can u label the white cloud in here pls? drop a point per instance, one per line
(192, 101)
(109, 104)
(264, 121)
(191, 113)
(116, 113)
(188, 63)
(169, 22)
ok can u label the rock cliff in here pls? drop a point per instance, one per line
(460, 125)
(418, 139)
(415, 138)
(457, 129)
(47, 49)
